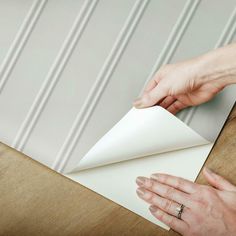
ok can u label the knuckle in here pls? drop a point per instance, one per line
(192, 83)
(157, 77)
(152, 198)
(146, 98)
(164, 178)
(149, 183)
(176, 106)
(169, 192)
(166, 205)
(179, 183)
(162, 72)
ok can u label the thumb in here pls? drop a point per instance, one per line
(150, 98)
(218, 181)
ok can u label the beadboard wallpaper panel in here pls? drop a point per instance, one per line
(13, 16)
(65, 67)
(128, 78)
(33, 65)
(78, 78)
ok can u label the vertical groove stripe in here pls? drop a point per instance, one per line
(175, 36)
(225, 38)
(54, 74)
(100, 84)
(20, 40)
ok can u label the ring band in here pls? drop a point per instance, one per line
(179, 211)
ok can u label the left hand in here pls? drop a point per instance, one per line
(208, 210)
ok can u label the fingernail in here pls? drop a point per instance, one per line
(140, 180)
(140, 192)
(153, 208)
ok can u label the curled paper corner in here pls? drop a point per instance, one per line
(140, 133)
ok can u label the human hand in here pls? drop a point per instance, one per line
(192, 82)
(209, 210)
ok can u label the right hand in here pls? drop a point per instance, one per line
(188, 83)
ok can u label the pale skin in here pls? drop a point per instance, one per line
(209, 210)
(191, 82)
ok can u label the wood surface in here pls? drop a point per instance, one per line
(35, 200)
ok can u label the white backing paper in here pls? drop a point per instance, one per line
(117, 181)
(143, 142)
(141, 132)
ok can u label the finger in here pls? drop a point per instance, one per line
(218, 181)
(176, 182)
(167, 102)
(176, 224)
(176, 107)
(153, 82)
(150, 85)
(164, 190)
(166, 205)
(150, 98)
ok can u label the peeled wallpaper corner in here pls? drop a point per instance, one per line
(140, 133)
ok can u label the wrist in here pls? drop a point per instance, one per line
(218, 66)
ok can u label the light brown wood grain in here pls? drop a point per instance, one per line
(35, 200)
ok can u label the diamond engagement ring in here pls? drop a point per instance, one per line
(179, 211)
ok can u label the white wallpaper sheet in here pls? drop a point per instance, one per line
(69, 71)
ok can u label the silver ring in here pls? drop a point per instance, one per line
(179, 211)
